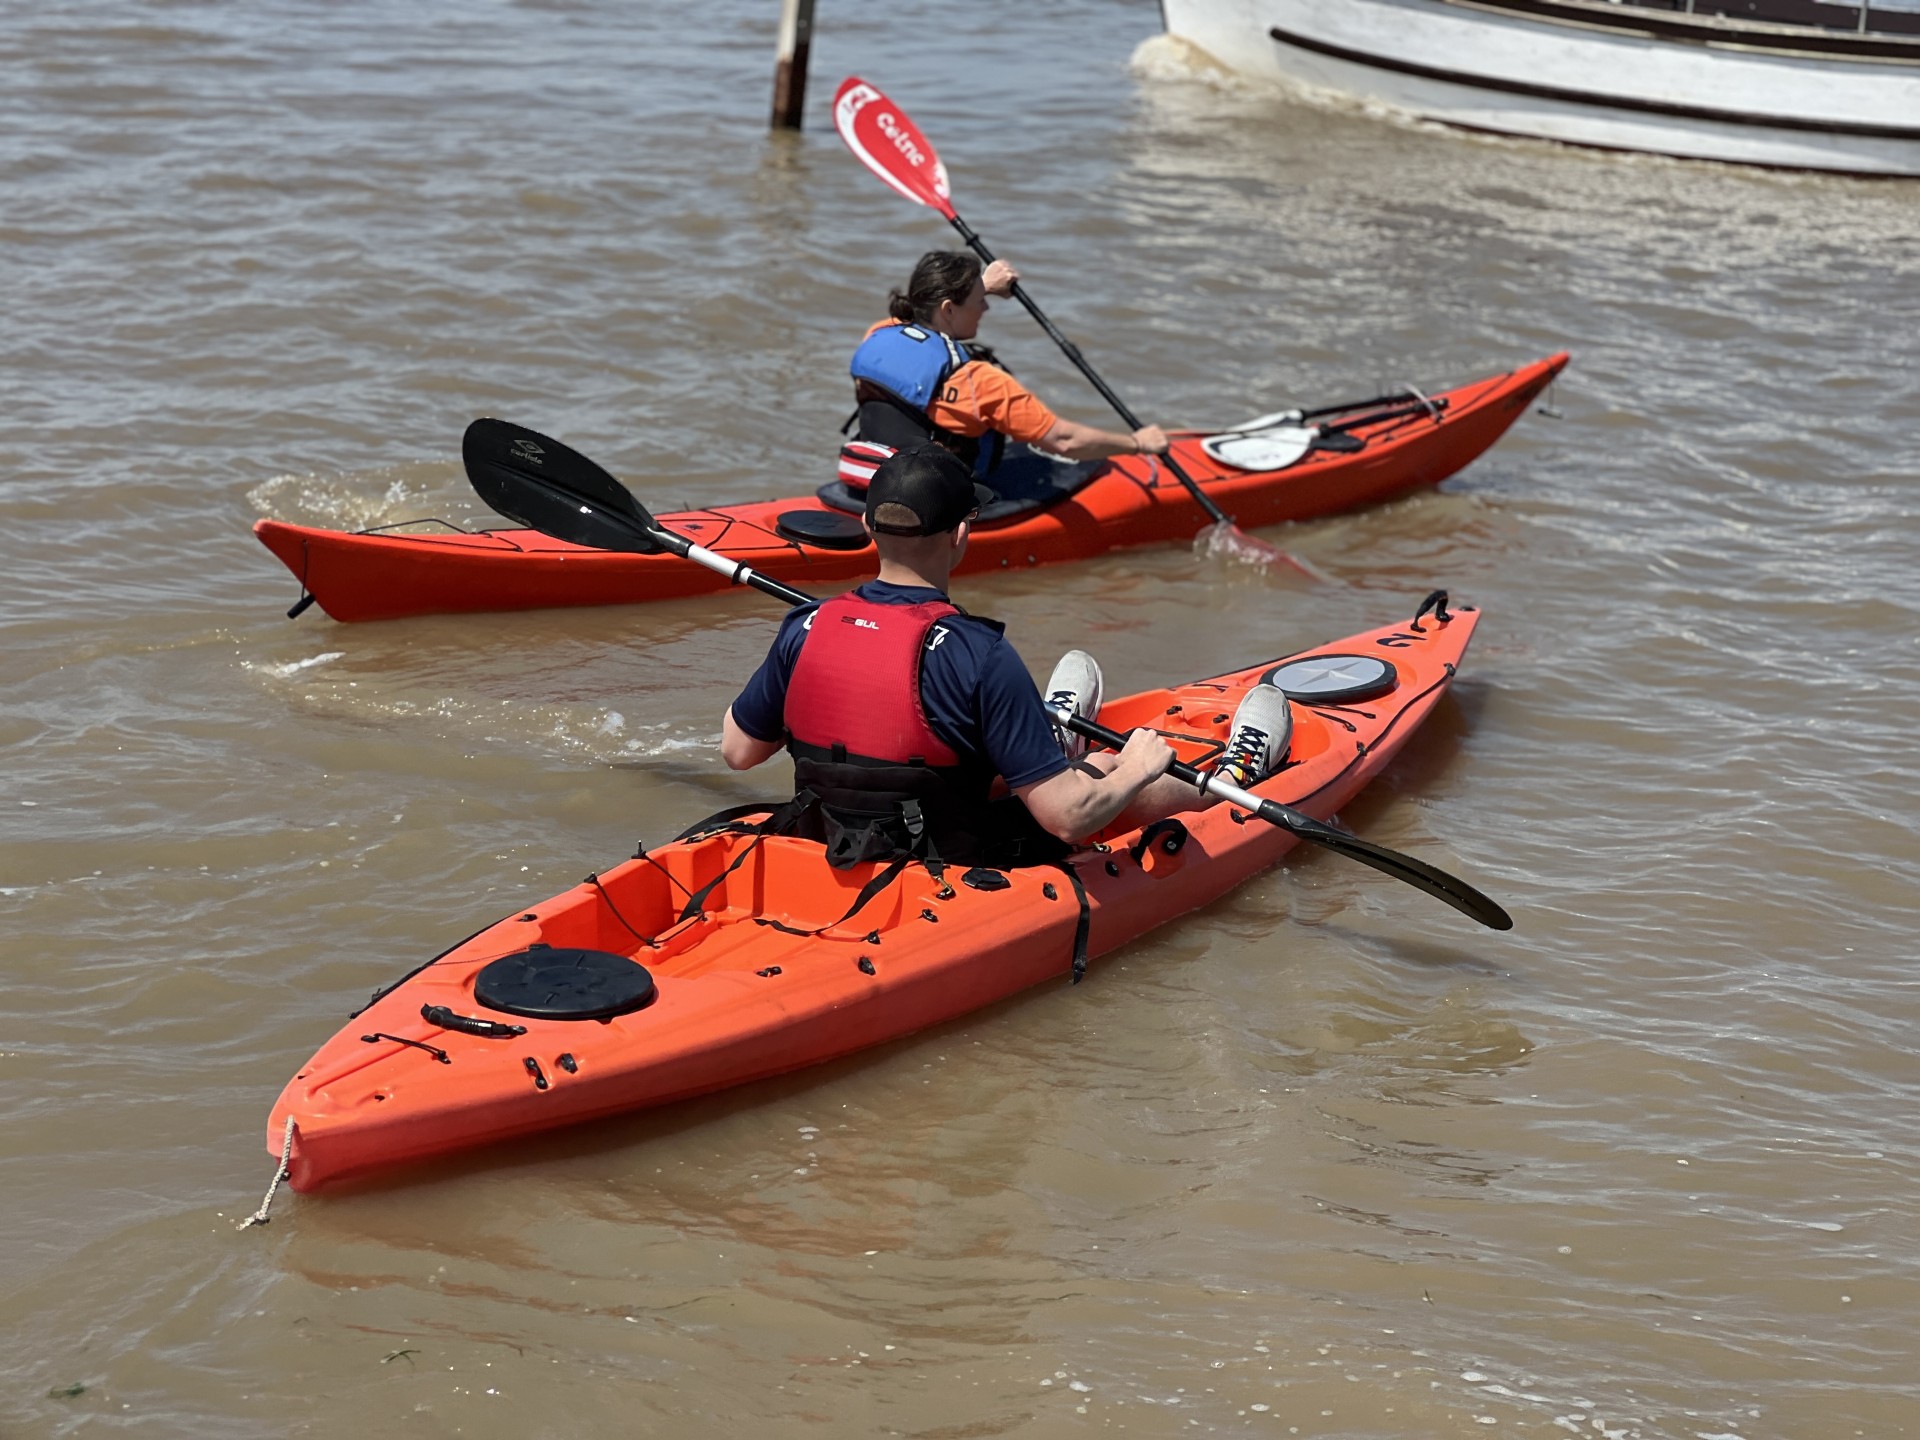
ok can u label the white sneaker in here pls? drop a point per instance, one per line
(1075, 686)
(1262, 730)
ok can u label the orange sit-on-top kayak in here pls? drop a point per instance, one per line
(1341, 457)
(726, 956)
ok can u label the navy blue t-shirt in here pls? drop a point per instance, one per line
(976, 692)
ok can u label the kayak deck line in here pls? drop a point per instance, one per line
(1132, 501)
(769, 974)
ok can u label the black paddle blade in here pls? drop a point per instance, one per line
(1436, 882)
(551, 488)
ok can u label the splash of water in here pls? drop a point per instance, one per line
(1227, 541)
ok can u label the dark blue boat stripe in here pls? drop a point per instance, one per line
(1580, 97)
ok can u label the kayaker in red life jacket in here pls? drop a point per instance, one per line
(916, 379)
(900, 709)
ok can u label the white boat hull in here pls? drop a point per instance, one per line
(1521, 74)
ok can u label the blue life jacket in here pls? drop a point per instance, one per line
(898, 372)
(908, 362)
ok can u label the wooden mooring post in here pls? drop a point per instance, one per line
(790, 69)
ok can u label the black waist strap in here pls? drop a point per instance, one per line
(787, 815)
(772, 825)
(777, 822)
(867, 891)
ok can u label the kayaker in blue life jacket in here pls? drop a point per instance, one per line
(900, 709)
(916, 378)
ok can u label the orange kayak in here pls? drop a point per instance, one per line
(1065, 513)
(724, 957)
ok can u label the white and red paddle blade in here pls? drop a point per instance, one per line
(890, 145)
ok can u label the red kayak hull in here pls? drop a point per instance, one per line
(765, 975)
(1136, 502)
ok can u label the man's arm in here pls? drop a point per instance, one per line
(760, 709)
(1070, 802)
(1082, 800)
(740, 750)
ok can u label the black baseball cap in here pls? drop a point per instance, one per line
(931, 483)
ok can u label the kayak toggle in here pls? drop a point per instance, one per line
(448, 1019)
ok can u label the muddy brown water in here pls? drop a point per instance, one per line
(1322, 1160)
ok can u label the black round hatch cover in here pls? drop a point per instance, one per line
(564, 984)
(827, 529)
(1333, 679)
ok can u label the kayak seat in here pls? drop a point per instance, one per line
(1025, 483)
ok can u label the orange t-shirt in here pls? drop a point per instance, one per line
(979, 397)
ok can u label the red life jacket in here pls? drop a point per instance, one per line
(886, 785)
(855, 688)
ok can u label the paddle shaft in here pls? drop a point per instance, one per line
(1436, 882)
(738, 573)
(1072, 352)
(1381, 417)
(1342, 427)
(1428, 407)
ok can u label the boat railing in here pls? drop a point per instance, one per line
(1863, 19)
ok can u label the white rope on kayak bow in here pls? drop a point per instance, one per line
(260, 1216)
